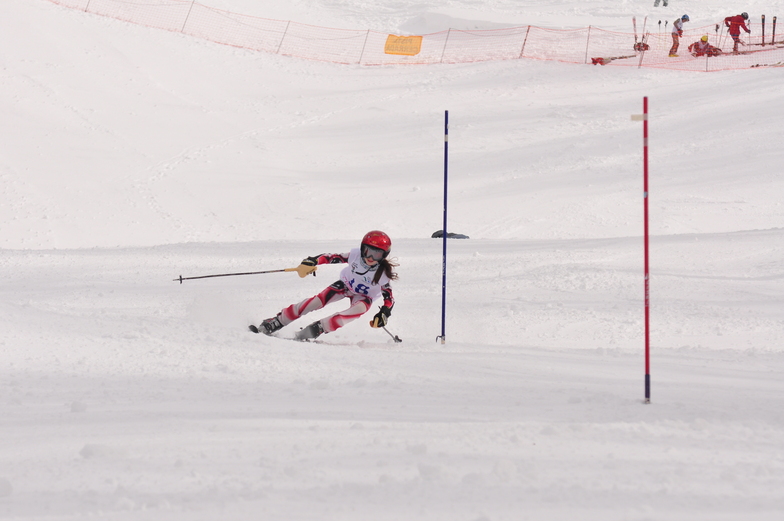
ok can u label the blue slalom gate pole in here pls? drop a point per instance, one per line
(443, 258)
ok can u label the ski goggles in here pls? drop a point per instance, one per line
(369, 252)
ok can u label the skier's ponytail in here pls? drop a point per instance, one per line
(386, 267)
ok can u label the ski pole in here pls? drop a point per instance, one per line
(773, 37)
(181, 278)
(394, 337)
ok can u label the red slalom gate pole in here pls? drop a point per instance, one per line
(647, 271)
(644, 118)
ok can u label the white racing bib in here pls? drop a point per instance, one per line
(358, 276)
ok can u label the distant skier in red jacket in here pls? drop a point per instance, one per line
(735, 24)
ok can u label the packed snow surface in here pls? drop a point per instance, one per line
(131, 156)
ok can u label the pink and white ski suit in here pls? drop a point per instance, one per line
(355, 283)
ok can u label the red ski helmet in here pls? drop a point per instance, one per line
(376, 240)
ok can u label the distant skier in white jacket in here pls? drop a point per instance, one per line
(677, 32)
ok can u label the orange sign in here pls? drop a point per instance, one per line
(405, 45)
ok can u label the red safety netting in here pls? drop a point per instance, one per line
(588, 45)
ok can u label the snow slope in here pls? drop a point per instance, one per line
(132, 156)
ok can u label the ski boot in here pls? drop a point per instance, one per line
(268, 326)
(309, 333)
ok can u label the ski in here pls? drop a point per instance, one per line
(605, 61)
(254, 329)
(777, 64)
(640, 46)
(753, 51)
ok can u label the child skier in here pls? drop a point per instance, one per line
(677, 32)
(703, 48)
(734, 24)
(366, 278)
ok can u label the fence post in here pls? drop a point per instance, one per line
(285, 31)
(187, 16)
(363, 48)
(587, 41)
(525, 40)
(444, 49)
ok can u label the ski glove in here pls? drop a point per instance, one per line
(307, 266)
(381, 318)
